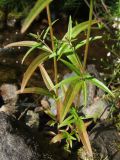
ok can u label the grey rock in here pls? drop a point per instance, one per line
(98, 109)
(17, 142)
(8, 93)
(105, 141)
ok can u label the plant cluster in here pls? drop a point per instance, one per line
(70, 126)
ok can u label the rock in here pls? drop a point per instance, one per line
(8, 93)
(17, 142)
(105, 141)
(98, 109)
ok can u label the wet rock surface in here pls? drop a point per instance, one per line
(17, 142)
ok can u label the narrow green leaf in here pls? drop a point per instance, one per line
(67, 81)
(47, 30)
(84, 89)
(82, 43)
(76, 61)
(46, 78)
(69, 29)
(65, 48)
(69, 97)
(22, 43)
(29, 51)
(101, 85)
(79, 28)
(68, 121)
(72, 67)
(32, 67)
(36, 90)
(35, 11)
(38, 46)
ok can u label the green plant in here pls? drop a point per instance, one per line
(70, 126)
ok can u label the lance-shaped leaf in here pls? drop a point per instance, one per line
(65, 48)
(67, 122)
(22, 43)
(32, 67)
(72, 67)
(69, 29)
(83, 135)
(101, 85)
(84, 91)
(67, 81)
(72, 91)
(79, 28)
(36, 90)
(74, 59)
(57, 138)
(48, 82)
(29, 51)
(35, 11)
(81, 129)
(39, 46)
(47, 30)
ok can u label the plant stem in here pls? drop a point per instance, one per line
(88, 35)
(58, 104)
(52, 41)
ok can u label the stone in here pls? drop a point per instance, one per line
(99, 109)
(8, 93)
(105, 140)
(18, 142)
